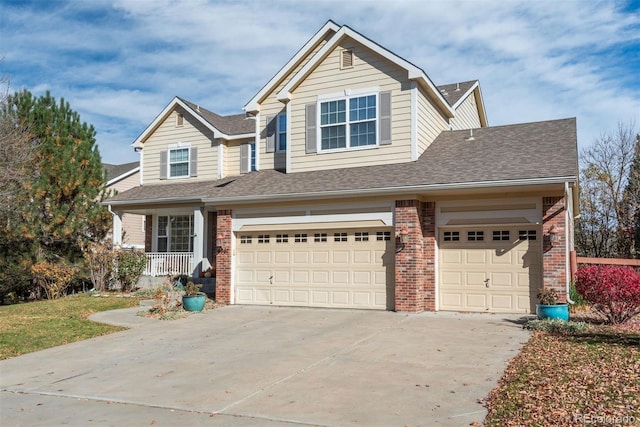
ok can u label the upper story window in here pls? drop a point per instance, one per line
(281, 132)
(248, 157)
(348, 123)
(178, 162)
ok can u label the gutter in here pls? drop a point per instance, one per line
(386, 190)
(152, 201)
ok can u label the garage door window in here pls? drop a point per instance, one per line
(527, 234)
(339, 237)
(500, 235)
(300, 238)
(451, 236)
(282, 238)
(383, 235)
(244, 240)
(320, 237)
(362, 236)
(475, 236)
(263, 238)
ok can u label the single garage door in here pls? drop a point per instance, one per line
(490, 269)
(349, 268)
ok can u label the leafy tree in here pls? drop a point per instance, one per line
(632, 199)
(607, 196)
(59, 207)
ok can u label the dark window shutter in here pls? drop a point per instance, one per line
(311, 145)
(385, 118)
(245, 158)
(193, 167)
(271, 134)
(163, 164)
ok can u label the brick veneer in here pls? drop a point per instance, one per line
(148, 233)
(414, 270)
(223, 259)
(554, 258)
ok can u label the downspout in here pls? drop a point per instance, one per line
(568, 231)
(114, 215)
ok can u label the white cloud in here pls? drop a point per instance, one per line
(120, 62)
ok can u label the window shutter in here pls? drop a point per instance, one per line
(385, 118)
(245, 158)
(193, 167)
(271, 134)
(311, 145)
(163, 164)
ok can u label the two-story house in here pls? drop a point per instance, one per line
(353, 181)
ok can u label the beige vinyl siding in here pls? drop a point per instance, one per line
(232, 156)
(271, 106)
(131, 223)
(467, 114)
(369, 70)
(431, 122)
(193, 133)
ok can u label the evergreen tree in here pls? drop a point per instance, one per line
(60, 206)
(632, 199)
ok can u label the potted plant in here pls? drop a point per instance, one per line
(549, 307)
(193, 299)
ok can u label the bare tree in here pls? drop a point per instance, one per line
(606, 225)
(16, 154)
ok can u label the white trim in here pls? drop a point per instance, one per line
(257, 139)
(414, 121)
(308, 220)
(141, 166)
(414, 73)
(287, 153)
(532, 214)
(254, 103)
(123, 176)
(465, 95)
(482, 115)
(349, 93)
(220, 158)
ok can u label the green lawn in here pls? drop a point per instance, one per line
(578, 379)
(38, 325)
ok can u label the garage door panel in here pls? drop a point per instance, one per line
(512, 267)
(329, 270)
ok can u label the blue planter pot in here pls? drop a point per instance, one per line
(194, 302)
(556, 311)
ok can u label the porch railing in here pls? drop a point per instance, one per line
(166, 263)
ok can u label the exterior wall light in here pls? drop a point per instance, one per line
(219, 248)
(553, 233)
(402, 238)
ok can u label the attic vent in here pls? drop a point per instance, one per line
(346, 59)
(444, 92)
(179, 119)
(457, 87)
(470, 137)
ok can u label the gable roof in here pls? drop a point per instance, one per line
(117, 172)
(227, 127)
(329, 28)
(456, 93)
(337, 34)
(521, 154)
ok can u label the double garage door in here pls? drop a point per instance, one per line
(346, 268)
(490, 269)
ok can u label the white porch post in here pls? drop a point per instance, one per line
(117, 227)
(198, 238)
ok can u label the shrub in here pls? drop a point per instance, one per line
(555, 326)
(100, 258)
(130, 266)
(53, 278)
(614, 292)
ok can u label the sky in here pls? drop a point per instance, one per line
(120, 62)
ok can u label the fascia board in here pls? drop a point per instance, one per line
(254, 104)
(123, 176)
(138, 143)
(465, 95)
(401, 190)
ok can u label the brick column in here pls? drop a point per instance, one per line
(223, 259)
(554, 257)
(409, 269)
(429, 254)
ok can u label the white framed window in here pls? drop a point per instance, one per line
(339, 237)
(248, 157)
(175, 233)
(281, 132)
(178, 162)
(348, 122)
(320, 237)
(383, 235)
(362, 236)
(502, 235)
(527, 235)
(300, 238)
(451, 236)
(282, 238)
(246, 239)
(475, 236)
(264, 238)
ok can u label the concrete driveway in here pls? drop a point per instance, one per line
(267, 366)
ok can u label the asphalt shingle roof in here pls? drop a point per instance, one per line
(236, 124)
(454, 91)
(501, 153)
(114, 171)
